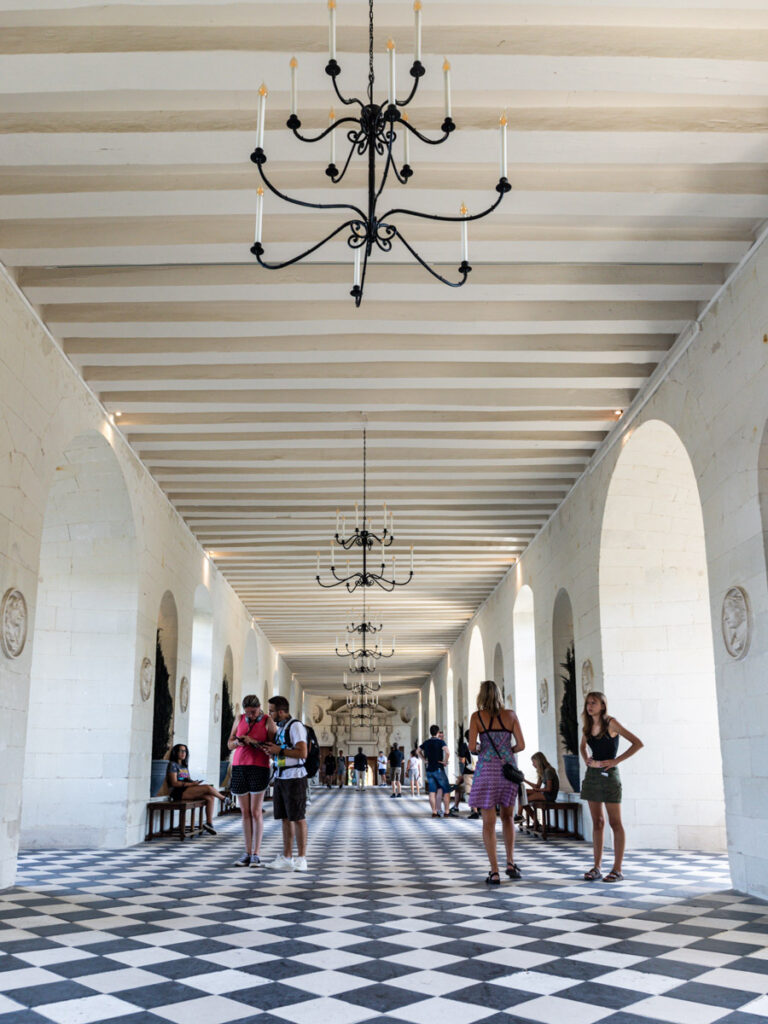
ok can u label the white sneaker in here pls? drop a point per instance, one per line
(299, 864)
(281, 863)
(255, 861)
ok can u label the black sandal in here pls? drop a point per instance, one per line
(513, 871)
(493, 878)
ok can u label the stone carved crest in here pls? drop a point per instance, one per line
(217, 707)
(13, 623)
(587, 677)
(146, 678)
(736, 622)
(317, 714)
(543, 696)
(406, 714)
(184, 694)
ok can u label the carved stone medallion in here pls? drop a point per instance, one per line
(587, 677)
(736, 622)
(317, 714)
(146, 678)
(13, 623)
(217, 707)
(184, 694)
(406, 714)
(543, 696)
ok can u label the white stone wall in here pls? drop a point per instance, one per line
(43, 406)
(716, 400)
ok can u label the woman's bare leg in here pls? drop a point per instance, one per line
(257, 800)
(619, 836)
(489, 837)
(598, 828)
(508, 828)
(245, 810)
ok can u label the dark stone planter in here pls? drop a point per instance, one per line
(157, 778)
(571, 765)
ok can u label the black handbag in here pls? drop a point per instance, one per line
(509, 771)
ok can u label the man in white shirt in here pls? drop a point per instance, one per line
(381, 763)
(289, 800)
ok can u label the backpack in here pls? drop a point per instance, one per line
(312, 762)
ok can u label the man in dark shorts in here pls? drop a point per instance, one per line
(341, 769)
(329, 770)
(436, 753)
(396, 765)
(289, 800)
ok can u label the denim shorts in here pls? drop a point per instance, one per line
(438, 780)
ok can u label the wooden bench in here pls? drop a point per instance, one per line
(546, 818)
(158, 809)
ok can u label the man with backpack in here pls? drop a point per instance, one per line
(292, 759)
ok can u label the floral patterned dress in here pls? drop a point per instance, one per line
(489, 787)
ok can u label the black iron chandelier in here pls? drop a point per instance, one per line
(371, 133)
(366, 539)
(362, 653)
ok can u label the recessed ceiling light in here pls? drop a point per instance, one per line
(618, 412)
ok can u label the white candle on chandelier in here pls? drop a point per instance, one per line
(385, 517)
(345, 678)
(391, 77)
(411, 558)
(332, 29)
(357, 517)
(332, 556)
(259, 212)
(294, 92)
(417, 18)
(503, 135)
(379, 678)
(447, 86)
(332, 135)
(337, 643)
(464, 239)
(382, 551)
(338, 514)
(261, 116)
(406, 142)
(358, 265)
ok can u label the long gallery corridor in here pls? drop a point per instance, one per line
(390, 923)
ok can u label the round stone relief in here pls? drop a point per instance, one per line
(406, 714)
(587, 677)
(544, 696)
(146, 678)
(13, 623)
(217, 707)
(184, 694)
(736, 622)
(317, 714)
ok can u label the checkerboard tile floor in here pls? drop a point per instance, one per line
(391, 923)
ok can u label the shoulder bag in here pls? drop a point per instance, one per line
(510, 772)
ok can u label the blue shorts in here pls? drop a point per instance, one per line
(438, 780)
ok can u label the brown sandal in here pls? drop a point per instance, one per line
(614, 876)
(593, 875)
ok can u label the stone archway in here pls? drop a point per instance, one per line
(201, 753)
(83, 675)
(475, 669)
(567, 702)
(658, 653)
(498, 670)
(524, 639)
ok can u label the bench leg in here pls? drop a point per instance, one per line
(182, 823)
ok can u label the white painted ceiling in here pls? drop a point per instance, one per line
(638, 148)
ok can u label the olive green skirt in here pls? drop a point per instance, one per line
(602, 788)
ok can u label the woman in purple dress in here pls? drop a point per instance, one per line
(498, 731)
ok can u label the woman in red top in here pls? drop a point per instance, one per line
(250, 773)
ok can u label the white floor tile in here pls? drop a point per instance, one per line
(552, 1010)
(516, 958)
(327, 983)
(536, 983)
(89, 1010)
(218, 983)
(640, 981)
(744, 981)
(206, 1010)
(430, 983)
(120, 981)
(678, 1011)
(334, 1011)
(448, 1010)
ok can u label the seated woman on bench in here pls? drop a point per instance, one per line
(547, 785)
(181, 787)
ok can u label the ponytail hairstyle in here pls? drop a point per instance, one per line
(586, 719)
(490, 699)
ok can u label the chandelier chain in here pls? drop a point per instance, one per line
(370, 51)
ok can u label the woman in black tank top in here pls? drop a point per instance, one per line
(602, 785)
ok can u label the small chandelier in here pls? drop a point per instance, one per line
(366, 539)
(371, 133)
(362, 655)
